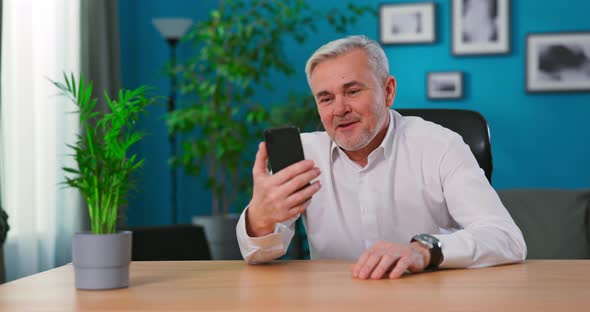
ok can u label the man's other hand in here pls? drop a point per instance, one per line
(391, 260)
(281, 196)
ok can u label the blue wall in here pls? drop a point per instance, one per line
(538, 140)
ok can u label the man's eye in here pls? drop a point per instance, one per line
(325, 100)
(353, 92)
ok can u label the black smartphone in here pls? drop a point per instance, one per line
(284, 148)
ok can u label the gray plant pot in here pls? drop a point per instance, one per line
(221, 236)
(101, 261)
(2, 269)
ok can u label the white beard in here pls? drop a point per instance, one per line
(365, 138)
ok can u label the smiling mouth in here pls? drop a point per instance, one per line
(346, 125)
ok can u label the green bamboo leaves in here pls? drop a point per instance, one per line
(103, 173)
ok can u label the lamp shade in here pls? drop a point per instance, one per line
(172, 28)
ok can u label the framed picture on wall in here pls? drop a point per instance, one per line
(444, 85)
(558, 62)
(406, 23)
(481, 27)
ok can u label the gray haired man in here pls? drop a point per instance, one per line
(393, 193)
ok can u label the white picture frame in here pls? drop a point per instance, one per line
(480, 27)
(407, 23)
(558, 62)
(444, 85)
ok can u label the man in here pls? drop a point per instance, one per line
(393, 193)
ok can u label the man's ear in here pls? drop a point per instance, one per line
(390, 90)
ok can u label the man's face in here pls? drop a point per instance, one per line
(353, 105)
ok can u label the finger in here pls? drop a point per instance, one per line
(260, 168)
(297, 210)
(300, 181)
(292, 171)
(384, 266)
(370, 265)
(356, 269)
(400, 268)
(303, 195)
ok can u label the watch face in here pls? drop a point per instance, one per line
(428, 238)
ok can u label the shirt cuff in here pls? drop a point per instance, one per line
(264, 248)
(456, 249)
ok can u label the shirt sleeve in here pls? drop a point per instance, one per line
(488, 234)
(265, 248)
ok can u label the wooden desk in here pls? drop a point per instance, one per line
(310, 285)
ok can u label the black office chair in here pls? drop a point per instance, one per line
(471, 125)
(168, 243)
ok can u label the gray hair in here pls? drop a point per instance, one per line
(377, 59)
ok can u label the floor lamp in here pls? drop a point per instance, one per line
(172, 29)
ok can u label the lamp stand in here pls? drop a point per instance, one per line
(171, 136)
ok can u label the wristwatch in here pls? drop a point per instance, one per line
(434, 246)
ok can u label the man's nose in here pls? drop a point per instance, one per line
(341, 106)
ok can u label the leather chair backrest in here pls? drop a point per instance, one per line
(169, 243)
(471, 125)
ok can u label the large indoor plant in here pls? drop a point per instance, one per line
(103, 176)
(239, 49)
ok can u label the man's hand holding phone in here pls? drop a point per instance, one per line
(281, 196)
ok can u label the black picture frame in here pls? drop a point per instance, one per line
(445, 85)
(557, 62)
(472, 35)
(407, 23)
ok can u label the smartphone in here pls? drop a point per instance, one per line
(284, 148)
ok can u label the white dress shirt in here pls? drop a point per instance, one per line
(422, 179)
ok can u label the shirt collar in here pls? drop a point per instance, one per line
(386, 145)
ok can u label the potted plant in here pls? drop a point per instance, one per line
(237, 48)
(103, 176)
